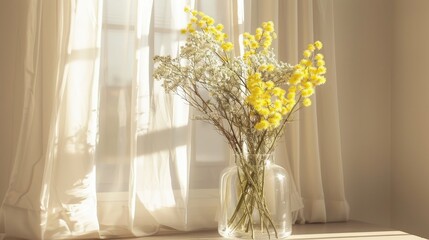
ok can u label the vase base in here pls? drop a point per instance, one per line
(257, 234)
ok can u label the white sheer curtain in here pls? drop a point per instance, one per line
(103, 152)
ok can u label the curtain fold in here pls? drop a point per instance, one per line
(104, 152)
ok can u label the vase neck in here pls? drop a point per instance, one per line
(253, 159)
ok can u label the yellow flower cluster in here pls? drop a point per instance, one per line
(306, 75)
(207, 24)
(269, 102)
(262, 40)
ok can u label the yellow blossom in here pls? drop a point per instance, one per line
(254, 44)
(264, 111)
(201, 23)
(278, 92)
(210, 21)
(274, 35)
(320, 80)
(290, 95)
(269, 84)
(277, 105)
(321, 70)
(319, 56)
(318, 45)
(296, 77)
(262, 68)
(270, 67)
(273, 120)
(228, 46)
(305, 62)
(268, 26)
(307, 53)
(307, 85)
(306, 102)
(246, 42)
(307, 92)
(284, 111)
(262, 125)
(320, 63)
(266, 44)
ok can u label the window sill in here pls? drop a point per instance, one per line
(337, 231)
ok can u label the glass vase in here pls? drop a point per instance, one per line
(255, 199)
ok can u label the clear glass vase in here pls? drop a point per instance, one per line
(255, 199)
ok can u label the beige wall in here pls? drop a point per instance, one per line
(382, 51)
(12, 19)
(410, 117)
(363, 51)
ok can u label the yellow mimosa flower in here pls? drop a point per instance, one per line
(266, 44)
(273, 120)
(270, 84)
(278, 105)
(318, 45)
(228, 46)
(201, 23)
(270, 67)
(320, 80)
(278, 92)
(307, 92)
(321, 70)
(311, 47)
(254, 44)
(219, 27)
(290, 95)
(320, 63)
(319, 56)
(262, 125)
(264, 111)
(306, 102)
(274, 35)
(307, 53)
(262, 68)
(307, 85)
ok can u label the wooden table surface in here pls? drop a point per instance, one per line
(335, 231)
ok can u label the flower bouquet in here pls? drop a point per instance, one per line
(249, 99)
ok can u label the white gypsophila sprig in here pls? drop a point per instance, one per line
(281, 71)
